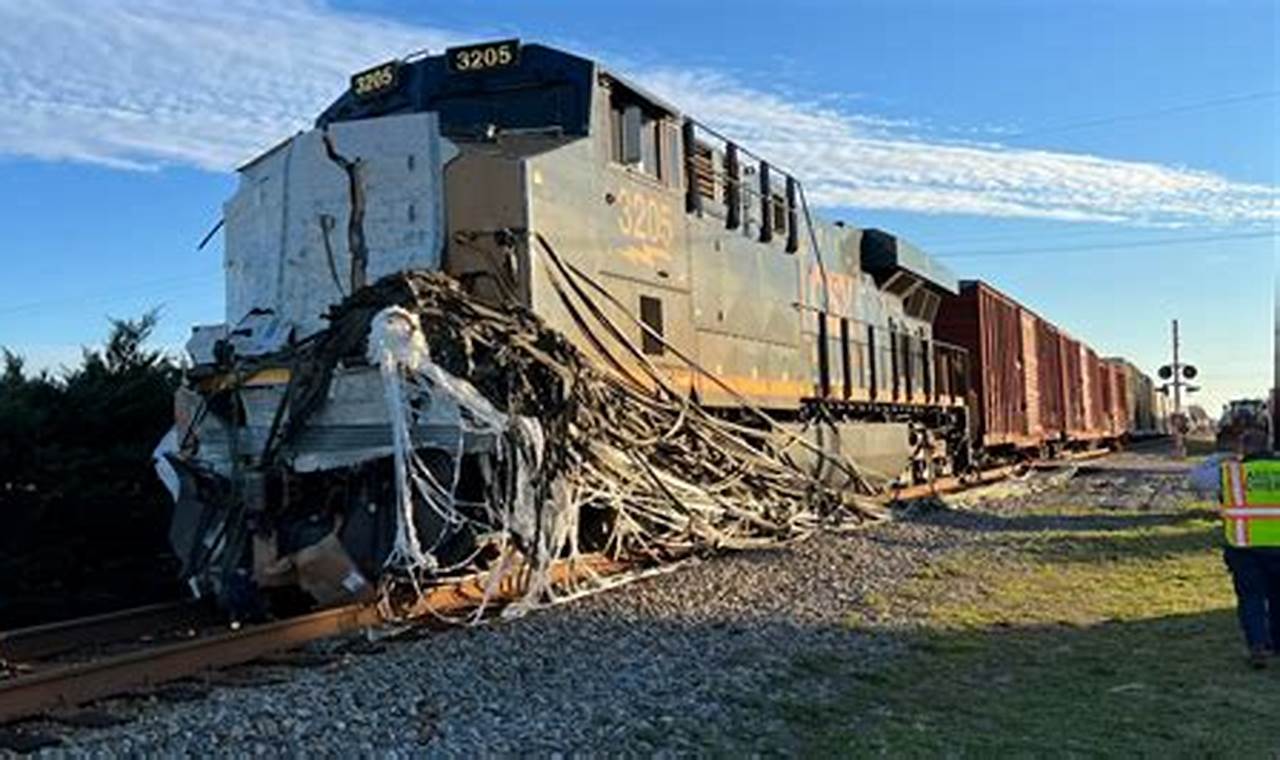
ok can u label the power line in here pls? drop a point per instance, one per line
(1015, 235)
(1107, 246)
(1100, 121)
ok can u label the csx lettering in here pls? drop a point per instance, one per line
(643, 217)
(839, 295)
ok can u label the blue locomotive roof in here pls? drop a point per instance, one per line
(537, 87)
(884, 254)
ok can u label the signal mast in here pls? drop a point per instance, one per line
(1177, 374)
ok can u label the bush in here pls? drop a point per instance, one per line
(86, 520)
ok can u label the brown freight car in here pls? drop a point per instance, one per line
(988, 324)
(1053, 411)
(1023, 371)
(1144, 405)
(1035, 386)
(1097, 423)
(1117, 398)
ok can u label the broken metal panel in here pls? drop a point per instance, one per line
(287, 250)
(326, 572)
(575, 460)
(353, 426)
(203, 342)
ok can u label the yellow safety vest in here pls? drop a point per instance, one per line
(1251, 502)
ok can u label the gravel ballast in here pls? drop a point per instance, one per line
(695, 659)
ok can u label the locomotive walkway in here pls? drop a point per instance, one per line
(1086, 614)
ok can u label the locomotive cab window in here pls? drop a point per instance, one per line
(636, 134)
(901, 284)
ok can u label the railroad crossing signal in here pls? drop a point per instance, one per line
(1189, 372)
(1177, 374)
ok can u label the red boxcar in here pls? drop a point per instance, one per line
(1053, 408)
(1034, 384)
(1072, 385)
(1097, 417)
(989, 325)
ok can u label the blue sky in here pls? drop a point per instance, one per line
(1112, 165)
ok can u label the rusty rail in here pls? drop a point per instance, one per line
(70, 685)
(41, 641)
(952, 484)
(63, 686)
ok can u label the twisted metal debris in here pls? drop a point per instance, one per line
(602, 456)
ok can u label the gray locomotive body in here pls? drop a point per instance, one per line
(484, 163)
(694, 237)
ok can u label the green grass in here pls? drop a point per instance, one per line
(1112, 637)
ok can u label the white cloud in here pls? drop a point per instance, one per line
(141, 83)
(145, 83)
(849, 161)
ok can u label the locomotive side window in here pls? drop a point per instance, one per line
(901, 284)
(671, 151)
(651, 317)
(651, 146)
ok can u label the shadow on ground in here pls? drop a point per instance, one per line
(987, 522)
(1167, 686)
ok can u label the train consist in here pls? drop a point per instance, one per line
(1035, 387)
(500, 164)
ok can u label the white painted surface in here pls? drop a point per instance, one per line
(275, 252)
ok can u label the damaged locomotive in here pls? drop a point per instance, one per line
(312, 449)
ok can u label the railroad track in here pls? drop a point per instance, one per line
(174, 641)
(43, 683)
(947, 485)
(42, 642)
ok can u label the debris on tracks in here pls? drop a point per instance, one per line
(547, 454)
(618, 448)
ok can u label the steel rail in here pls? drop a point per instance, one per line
(952, 484)
(71, 685)
(64, 686)
(41, 641)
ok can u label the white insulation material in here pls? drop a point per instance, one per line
(416, 388)
(276, 222)
(160, 461)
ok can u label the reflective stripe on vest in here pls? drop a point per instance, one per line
(1251, 516)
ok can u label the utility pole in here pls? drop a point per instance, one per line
(1177, 373)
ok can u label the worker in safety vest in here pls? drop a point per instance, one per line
(1250, 498)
